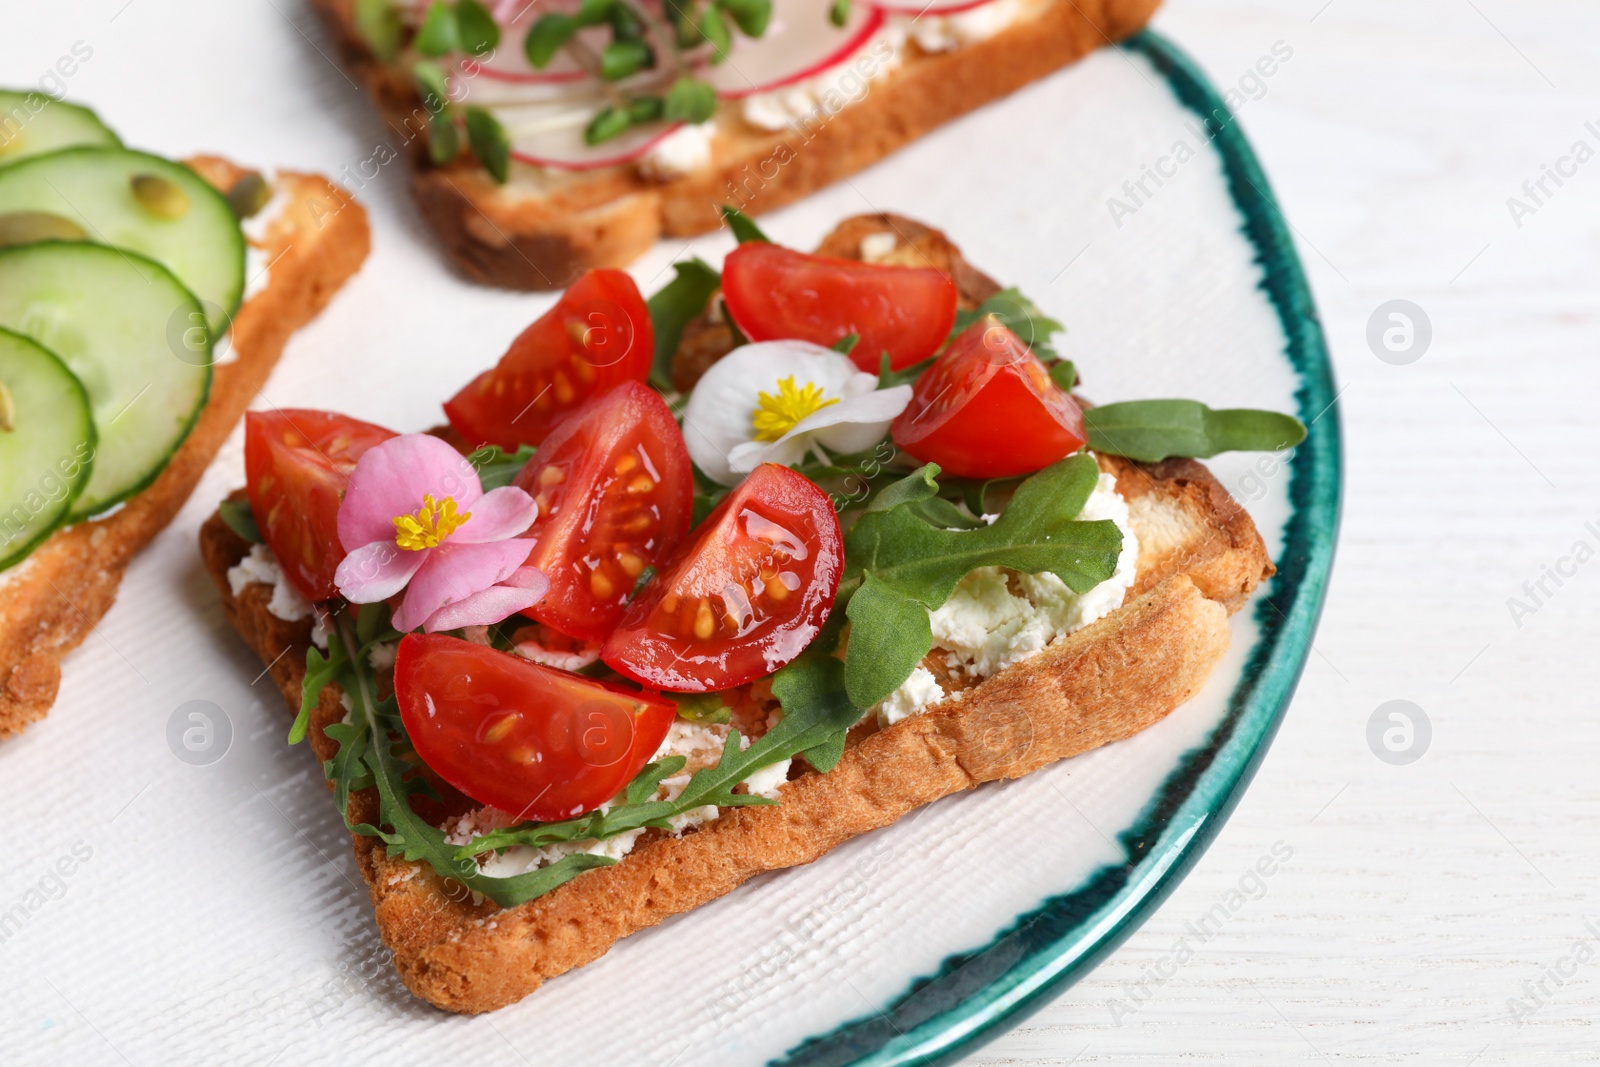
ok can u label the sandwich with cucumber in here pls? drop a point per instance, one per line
(143, 301)
(696, 587)
(547, 139)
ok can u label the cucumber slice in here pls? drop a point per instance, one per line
(144, 203)
(126, 327)
(31, 123)
(47, 444)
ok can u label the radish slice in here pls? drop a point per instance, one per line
(931, 7)
(799, 43)
(551, 135)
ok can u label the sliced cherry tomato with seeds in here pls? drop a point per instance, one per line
(596, 337)
(297, 464)
(776, 293)
(615, 492)
(744, 596)
(531, 740)
(988, 409)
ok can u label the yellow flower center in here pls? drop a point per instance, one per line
(777, 415)
(432, 523)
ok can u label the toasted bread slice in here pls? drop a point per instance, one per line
(52, 600)
(545, 227)
(1200, 558)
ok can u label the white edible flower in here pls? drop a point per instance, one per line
(771, 402)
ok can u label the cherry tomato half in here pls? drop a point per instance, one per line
(615, 492)
(537, 742)
(596, 337)
(743, 597)
(297, 464)
(988, 409)
(775, 293)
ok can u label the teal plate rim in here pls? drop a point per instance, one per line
(974, 995)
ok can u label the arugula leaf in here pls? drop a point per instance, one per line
(489, 142)
(432, 86)
(702, 707)
(888, 378)
(240, 519)
(890, 632)
(672, 308)
(812, 687)
(546, 37)
(437, 36)
(476, 28)
(945, 515)
(743, 228)
(1065, 374)
(733, 326)
(689, 100)
(378, 24)
(1019, 315)
(1151, 430)
(910, 566)
(496, 467)
(320, 670)
(751, 16)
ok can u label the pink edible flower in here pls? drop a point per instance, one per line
(415, 517)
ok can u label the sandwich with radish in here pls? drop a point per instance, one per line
(549, 139)
(700, 586)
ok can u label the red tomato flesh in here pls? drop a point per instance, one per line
(988, 409)
(531, 740)
(775, 293)
(615, 492)
(744, 596)
(596, 337)
(297, 464)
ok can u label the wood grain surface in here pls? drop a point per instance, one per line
(1422, 902)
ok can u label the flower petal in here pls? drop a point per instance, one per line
(853, 424)
(527, 578)
(391, 479)
(455, 572)
(377, 571)
(717, 417)
(485, 608)
(497, 515)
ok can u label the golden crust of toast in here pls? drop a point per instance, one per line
(51, 601)
(1200, 558)
(563, 223)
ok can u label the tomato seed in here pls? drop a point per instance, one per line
(600, 585)
(705, 623)
(499, 728)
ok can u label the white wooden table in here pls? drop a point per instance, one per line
(1433, 912)
(1423, 901)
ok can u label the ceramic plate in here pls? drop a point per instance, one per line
(218, 916)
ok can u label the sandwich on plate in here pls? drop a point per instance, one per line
(143, 302)
(701, 586)
(551, 138)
